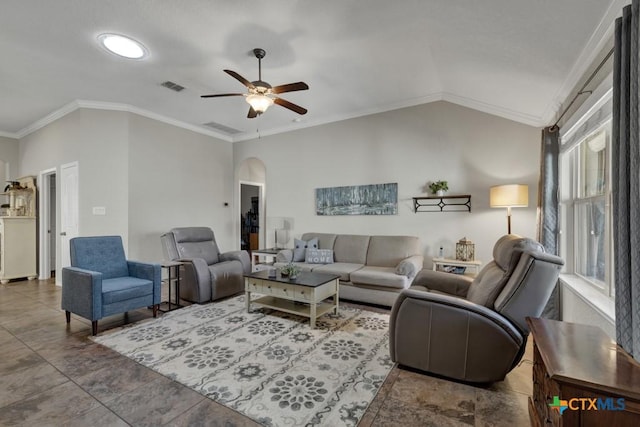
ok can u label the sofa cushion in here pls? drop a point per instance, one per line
(319, 256)
(300, 248)
(388, 251)
(343, 269)
(380, 276)
(125, 288)
(351, 248)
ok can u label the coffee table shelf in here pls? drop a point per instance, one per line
(293, 307)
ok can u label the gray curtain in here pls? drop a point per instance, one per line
(548, 214)
(626, 181)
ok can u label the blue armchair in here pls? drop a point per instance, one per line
(101, 282)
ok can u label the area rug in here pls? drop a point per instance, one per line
(270, 366)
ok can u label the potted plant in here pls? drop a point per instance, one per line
(290, 270)
(439, 187)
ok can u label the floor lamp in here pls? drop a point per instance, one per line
(509, 196)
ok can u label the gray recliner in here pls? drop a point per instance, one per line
(206, 273)
(474, 330)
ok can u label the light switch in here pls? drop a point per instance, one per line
(99, 210)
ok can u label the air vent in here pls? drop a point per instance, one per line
(173, 86)
(222, 128)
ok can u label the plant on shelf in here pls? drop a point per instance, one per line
(290, 270)
(439, 187)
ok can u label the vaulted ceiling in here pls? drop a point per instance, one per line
(518, 59)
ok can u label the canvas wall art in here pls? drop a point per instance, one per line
(375, 199)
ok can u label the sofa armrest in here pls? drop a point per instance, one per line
(242, 256)
(410, 266)
(148, 271)
(285, 255)
(82, 292)
(452, 284)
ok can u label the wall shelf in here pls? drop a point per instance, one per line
(457, 203)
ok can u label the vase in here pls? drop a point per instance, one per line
(440, 193)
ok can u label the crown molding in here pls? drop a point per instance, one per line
(113, 106)
(596, 43)
(484, 107)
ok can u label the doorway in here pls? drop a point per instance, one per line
(250, 217)
(48, 220)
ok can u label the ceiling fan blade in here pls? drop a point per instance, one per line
(291, 87)
(239, 78)
(290, 105)
(221, 94)
(252, 113)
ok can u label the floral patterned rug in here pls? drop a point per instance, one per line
(267, 365)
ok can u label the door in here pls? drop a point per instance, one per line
(69, 226)
(47, 222)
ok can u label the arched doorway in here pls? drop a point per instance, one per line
(251, 178)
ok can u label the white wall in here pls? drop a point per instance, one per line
(177, 178)
(9, 154)
(149, 176)
(98, 141)
(411, 146)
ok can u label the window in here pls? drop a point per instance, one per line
(585, 207)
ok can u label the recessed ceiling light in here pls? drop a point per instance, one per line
(123, 46)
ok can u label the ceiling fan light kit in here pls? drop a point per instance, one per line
(261, 95)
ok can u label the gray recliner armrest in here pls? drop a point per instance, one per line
(452, 337)
(242, 256)
(196, 279)
(452, 284)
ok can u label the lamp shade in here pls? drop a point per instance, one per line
(259, 103)
(509, 196)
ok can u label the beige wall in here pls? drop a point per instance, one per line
(177, 178)
(411, 146)
(148, 176)
(9, 154)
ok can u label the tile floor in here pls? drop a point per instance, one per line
(51, 374)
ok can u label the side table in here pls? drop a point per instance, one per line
(262, 253)
(173, 278)
(439, 263)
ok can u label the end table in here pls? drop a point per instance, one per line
(173, 277)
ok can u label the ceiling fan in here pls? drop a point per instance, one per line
(261, 95)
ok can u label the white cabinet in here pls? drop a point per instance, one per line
(18, 230)
(17, 248)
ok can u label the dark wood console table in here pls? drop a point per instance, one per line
(575, 361)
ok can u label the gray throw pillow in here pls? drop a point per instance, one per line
(300, 248)
(319, 256)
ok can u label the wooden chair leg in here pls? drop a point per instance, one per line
(155, 310)
(94, 327)
(68, 314)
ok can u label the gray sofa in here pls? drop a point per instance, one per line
(372, 269)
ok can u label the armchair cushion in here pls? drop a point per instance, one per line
(196, 242)
(125, 288)
(493, 277)
(104, 254)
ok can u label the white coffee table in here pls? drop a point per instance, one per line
(308, 295)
